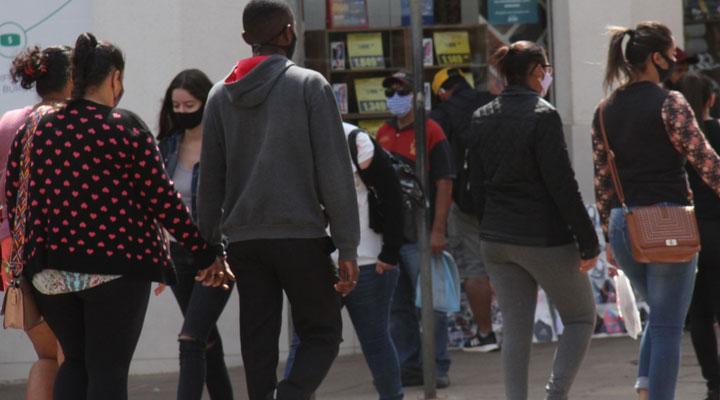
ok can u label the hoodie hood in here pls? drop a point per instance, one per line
(251, 81)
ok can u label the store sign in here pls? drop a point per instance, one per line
(36, 22)
(503, 12)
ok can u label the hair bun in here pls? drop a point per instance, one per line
(28, 67)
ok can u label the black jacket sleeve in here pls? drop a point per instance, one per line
(557, 173)
(477, 174)
(380, 176)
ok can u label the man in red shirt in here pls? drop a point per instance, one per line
(398, 137)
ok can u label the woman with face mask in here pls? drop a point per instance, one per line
(534, 227)
(201, 353)
(653, 133)
(88, 188)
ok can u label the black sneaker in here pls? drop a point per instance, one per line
(411, 378)
(442, 382)
(481, 344)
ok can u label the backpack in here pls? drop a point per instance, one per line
(413, 195)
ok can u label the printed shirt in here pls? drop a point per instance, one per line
(401, 143)
(684, 134)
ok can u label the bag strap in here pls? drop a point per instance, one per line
(611, 158)
(352, 143)
(17, 262)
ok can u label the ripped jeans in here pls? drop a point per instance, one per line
(201, 353)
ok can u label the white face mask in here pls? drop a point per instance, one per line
(400, 106)
(546, 82)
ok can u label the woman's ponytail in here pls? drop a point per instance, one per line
(92, 62)
(623, 64)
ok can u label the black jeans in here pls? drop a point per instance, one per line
(304, 270)
(98, 330)
(202, 360)
(705, 307)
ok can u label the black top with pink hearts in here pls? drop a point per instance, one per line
(99, 195)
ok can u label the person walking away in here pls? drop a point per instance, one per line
(653, 133)
(459, 101)
(201, 350)
(379, 204)
(274, 171)
(705, 306)
(397, 136)
(92, 240)
(48, 70)
(534, 227)
(683, 61)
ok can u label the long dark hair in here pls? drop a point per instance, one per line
(697, 89)
(47, 69)
(192, 80)
(514, 62)
(647, 38)
(92, 62)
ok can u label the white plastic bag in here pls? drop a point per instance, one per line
(627, 306)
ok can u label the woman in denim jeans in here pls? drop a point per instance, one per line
(201, 353)
(652, 132)
(378, 256)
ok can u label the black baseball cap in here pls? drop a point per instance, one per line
(401, 77)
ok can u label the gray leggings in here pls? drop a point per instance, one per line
(516, 271)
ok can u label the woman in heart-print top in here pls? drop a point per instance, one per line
(97, 198)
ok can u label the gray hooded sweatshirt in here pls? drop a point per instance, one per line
(275, 163)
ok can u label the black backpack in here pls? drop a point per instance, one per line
(413, 195)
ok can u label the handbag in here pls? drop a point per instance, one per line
(19, 307)
(658, 233)
(445, 285)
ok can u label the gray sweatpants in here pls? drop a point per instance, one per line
(515, 272)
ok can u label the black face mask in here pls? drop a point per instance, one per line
(187, 121)
(665, 73)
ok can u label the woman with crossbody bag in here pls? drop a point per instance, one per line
(642, 137)
(48, 70)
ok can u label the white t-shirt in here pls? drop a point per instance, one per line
(370, 241)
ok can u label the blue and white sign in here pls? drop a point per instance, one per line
(35, 22)
(504, 12)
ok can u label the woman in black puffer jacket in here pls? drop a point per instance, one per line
(533, 223)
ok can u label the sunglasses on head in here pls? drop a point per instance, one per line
(390, 92)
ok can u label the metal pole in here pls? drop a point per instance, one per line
(428, 315)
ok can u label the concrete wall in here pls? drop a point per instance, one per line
(580, 53)
(160, 38)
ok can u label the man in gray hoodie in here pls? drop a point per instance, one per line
(274, 171)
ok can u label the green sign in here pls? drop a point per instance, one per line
(504, 12)
(10, 40)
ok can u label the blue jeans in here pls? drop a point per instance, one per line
(668, 289)
(369, 308)
(405, 321)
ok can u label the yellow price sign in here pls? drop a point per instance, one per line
(452, 47)
(365, 50)
(370, 95)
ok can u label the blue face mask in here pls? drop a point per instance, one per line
(399, 106)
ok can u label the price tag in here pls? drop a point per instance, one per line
(370, 96)
(365, 50)
(452, 48)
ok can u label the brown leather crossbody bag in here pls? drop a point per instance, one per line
(658, 233)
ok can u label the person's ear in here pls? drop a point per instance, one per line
(287, 37)
(658, 59)
(712, 100)
(246, 37)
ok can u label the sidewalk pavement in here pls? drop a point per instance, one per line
(607, 374)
